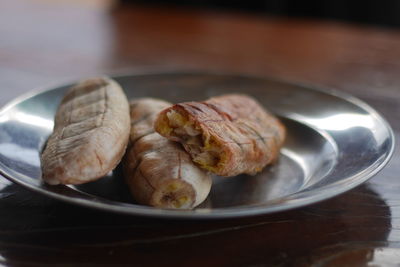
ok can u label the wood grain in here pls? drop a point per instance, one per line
(48, 42)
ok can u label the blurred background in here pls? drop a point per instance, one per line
(384, 12)
(43, 42)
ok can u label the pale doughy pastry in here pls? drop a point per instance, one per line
(90, 133)
(159, 172)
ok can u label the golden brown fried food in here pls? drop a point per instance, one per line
(159, 172)
(90, 133)
(227, 135)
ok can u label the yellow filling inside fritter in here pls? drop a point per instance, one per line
(205, 150)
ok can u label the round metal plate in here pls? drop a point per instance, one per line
(335, 142)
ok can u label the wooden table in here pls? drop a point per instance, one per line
(48, 42)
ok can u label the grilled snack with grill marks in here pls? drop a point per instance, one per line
(159, 172)
(227, 135)
(90, 133)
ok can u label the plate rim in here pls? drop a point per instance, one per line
(205, 213)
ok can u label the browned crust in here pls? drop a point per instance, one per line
(248, 135)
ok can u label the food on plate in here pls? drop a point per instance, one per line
(159, 172)
(90, 134)
(171, 148)
(227, 135)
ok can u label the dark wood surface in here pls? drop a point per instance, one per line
(48, 42)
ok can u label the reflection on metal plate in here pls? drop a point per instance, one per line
(334, 143)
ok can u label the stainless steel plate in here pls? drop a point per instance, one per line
(335, 142)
